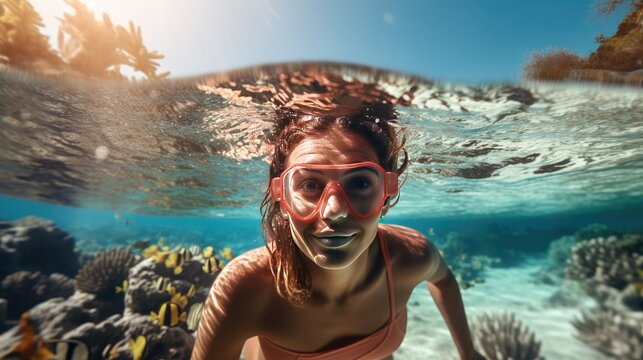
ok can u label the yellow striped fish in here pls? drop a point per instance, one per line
(169, 314)
(161, 284)
(211, 265)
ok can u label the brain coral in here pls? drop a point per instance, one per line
(102, 275)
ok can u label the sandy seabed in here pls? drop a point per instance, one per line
(512, 289)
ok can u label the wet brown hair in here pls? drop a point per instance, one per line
(375, 122)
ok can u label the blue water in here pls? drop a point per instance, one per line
(505, 170)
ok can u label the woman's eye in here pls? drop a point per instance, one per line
(310, 185)
(360, 184)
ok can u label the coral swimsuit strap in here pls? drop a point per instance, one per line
(376, 345)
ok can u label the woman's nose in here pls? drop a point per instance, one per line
(334, 208)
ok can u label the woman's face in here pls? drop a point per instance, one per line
(334, 218)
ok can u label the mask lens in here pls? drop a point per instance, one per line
(305, 187)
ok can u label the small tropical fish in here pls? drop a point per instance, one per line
(117, 215)
(191, 291)
(138, 347)
(170, 314)
(123, 288)
(226, 253)
(207, 252)
(30, 347)
(161, 284)
(177, 297)
(150, 251)
(194, 316)
(174, 261)
(109, 352)
(211, 265)
(195, 250)
(70, 350)
(185, 254)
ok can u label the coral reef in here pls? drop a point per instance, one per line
(501, 336)
(87, 46)
(560, 251)
(609, 271)
(610, 261)
(612, 333)
(468, 269)
(108, 306)
(108, 270)
(34, 244)
(24, 289)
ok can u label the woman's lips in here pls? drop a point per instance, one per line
(334, 241)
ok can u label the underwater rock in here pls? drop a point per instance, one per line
(501, 336)
(610, 261)
(35, 244)
(143, 297)
(25, 289)
(114, 335)
(98, 336)
(108, 270)
(54, 317)
(613, 333)
(162, 342)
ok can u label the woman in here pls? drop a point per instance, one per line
(331, 282)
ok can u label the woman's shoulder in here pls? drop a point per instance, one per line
(246, 278)
(414, 256)
(250, 269)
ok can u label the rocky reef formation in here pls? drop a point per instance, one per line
(118, 306)
(34, 244)
(617, 60)
(501, 336)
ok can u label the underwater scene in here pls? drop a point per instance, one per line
(122, 198)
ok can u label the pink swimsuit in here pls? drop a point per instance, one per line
(377, 345)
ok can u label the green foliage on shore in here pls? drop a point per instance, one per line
(87, 46)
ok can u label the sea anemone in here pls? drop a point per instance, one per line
(102, 275)
(612, 333)
(501, 336)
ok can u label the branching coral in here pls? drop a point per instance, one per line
(102, 275)
(501, 336)
(612, 333)
(610, 261)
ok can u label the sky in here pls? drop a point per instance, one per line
(462, 41)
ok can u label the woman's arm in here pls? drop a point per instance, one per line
(231, 312)
(445, 291)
